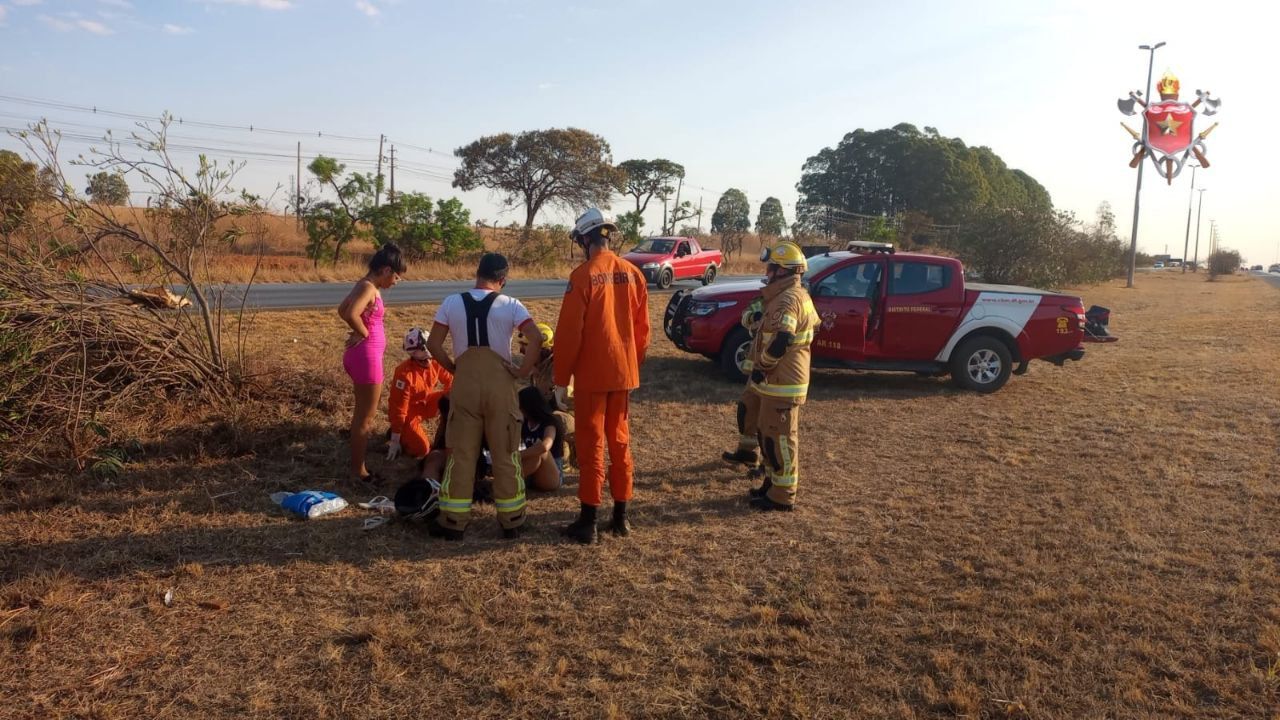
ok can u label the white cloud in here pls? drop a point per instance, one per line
(264, 4)
(90, 26)
(3, 11)
(57, 23)
(21, 3)
(95, 27)
(172, 29)
(122, 4)
(546, 86)
(368, 8)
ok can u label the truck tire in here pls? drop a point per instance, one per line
(665, 277)
(709, 276)
(733, 353)
(982, 364)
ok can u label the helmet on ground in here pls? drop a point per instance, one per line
(418, 499)
(548, 336)
(787, 255)
(415, 339)
(591, 220)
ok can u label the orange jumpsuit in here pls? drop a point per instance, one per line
(601, 339)
(414, 399)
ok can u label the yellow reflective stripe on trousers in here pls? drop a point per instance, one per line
(451, 504)
(789, 474)
(781, 391)
(516, 503)
(783, 480)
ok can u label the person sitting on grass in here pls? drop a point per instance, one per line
(561, 408)
(542, 445)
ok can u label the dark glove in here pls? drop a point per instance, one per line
(757, 376)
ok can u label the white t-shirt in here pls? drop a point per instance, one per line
(506, 315)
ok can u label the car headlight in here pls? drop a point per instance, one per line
(649, 266)
(703, 308)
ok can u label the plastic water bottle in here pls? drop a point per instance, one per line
(309, 504)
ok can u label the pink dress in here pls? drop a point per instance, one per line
(363, 361)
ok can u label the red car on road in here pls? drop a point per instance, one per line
(663, 260)
(904, 312)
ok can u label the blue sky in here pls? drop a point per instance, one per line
(741, 93)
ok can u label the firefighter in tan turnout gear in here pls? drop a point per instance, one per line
(778, 368)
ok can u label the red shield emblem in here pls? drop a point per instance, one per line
(1169, 126)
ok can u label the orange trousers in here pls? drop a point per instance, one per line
(413, 438)
(602, 417)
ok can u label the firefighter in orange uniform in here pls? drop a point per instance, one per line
(601, 340)
(414, 398)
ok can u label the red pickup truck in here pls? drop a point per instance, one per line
(904, 312)
(664, 260)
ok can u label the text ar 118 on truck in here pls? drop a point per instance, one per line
(664, 260)
(881, 310)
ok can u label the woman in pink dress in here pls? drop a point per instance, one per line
(363, 310)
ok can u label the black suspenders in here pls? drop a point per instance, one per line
(478, 318)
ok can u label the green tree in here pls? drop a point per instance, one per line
(568, 168)
(732, 220)
(331, 224)
(20, 189)
(630, 224)
(644, 180)
(423, 228)
(887, 171)
(108, 189)
(771, 221)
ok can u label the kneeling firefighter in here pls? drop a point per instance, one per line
(778, 384)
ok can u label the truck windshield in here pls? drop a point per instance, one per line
(659, 247)
(818, 263)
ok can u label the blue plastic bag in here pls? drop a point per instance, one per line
(310, 504)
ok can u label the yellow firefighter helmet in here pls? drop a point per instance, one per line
(786, 254)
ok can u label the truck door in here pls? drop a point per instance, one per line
(683, 262)
(922, 308)
(845, 300)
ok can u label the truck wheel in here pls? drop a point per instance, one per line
(733, 354)
(981, 364)
(664, 279)
(709, 276)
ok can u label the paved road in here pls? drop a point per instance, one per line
(1273, 278)
(283, 296)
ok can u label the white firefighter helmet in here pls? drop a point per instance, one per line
(415, 339)
(591, 220)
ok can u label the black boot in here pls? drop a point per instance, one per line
(620, 526)
(436, 530)
(583, 529)
(761, 491)
(764, 504)
(745, 457)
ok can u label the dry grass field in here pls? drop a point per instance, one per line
(1095, 541)
(283, 254)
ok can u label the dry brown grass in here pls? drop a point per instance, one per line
(1101, 540)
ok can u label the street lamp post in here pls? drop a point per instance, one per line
(1137, 193)
(1187, 240)
(1199, 209)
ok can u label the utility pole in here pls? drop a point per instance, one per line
(1187, 240)
(391, 196)
(700, 217)
(676, 208)
(297, 198)
(1199, 209)
(377, 188)
(1137, 193)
